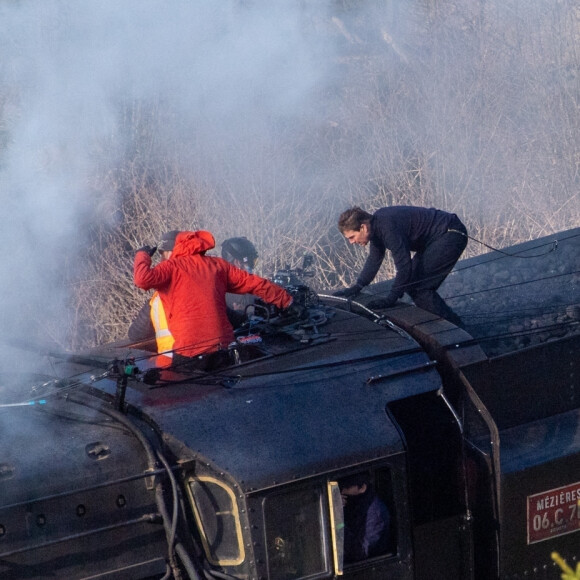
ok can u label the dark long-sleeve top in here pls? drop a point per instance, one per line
(142, 327)
(402, 230)
(366, 528)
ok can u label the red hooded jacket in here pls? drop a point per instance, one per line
(193, 287)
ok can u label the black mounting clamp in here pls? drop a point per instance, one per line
(121, 371)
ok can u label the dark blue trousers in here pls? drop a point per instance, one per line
(431, 267)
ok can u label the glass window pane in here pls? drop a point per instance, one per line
(294, 534)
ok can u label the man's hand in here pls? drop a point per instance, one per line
(349, 292)
(149, 249)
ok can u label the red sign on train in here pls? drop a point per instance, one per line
(553, 513)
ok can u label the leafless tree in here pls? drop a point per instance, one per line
(471, 108)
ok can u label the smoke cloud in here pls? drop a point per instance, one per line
(222, 69)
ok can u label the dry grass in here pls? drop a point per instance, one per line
(474, 110)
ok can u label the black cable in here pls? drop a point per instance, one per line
(491, 258)
(187, 562)
(67, 385)
(537, 311)
(485, 290)
(220, 376)
(171, 531)
(211, 574)
(371, 358)
(503, 318)
(553, 243)
(512, 335)
(206, 377)
(152, 456)
(514, 284)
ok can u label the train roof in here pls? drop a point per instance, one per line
(307, 407)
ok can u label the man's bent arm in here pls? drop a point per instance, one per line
(372, 265)
(146, 277)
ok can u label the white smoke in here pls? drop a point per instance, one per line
(221, 68)
(450, 100)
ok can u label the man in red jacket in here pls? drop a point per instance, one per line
(192, 288)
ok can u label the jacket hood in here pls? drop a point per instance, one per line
(189, 243)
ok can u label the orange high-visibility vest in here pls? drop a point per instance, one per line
(163, 336)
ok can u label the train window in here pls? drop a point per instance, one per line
(367, 515)
(217, 516)
(295, 535)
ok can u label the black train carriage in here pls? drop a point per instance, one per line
(519, 403)
(121, 472)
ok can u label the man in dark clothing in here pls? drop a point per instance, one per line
(366, 519)
(241, 253)
(436, 237)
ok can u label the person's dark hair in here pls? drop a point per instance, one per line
(240, 249)
(358, 479)
(352, 219)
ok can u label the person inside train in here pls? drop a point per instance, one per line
(192, 287)
(366, 519)
(436, 237)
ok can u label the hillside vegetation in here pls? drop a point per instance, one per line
(471, 107)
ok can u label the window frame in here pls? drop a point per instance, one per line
(394, 494)
(201, 528)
